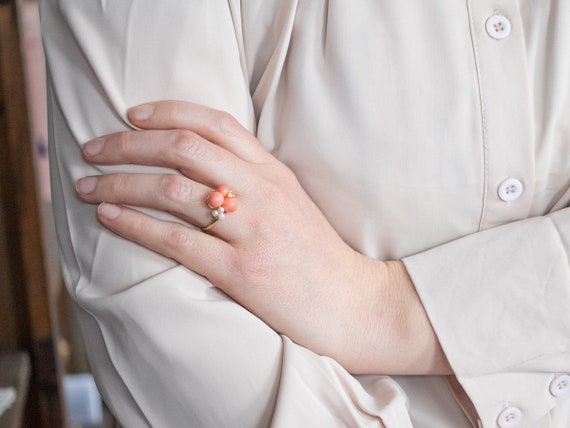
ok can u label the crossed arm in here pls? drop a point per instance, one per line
(277, 255)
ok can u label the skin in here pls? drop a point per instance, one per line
(277, 255)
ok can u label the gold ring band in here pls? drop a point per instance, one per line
(208, 227)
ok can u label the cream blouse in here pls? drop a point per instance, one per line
(437, 132)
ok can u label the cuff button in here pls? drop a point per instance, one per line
(510, 417)
(560, 385)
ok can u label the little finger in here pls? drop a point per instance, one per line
(201, 253)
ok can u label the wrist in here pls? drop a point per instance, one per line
(413, 336)
(395, 335)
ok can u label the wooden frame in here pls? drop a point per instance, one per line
(25, 320)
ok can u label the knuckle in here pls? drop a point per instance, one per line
(138, 225)
(176, 188)
(186, 144)
(119, 184)
(123, 143)
(273, 192)
(176, 109)
(226, 123)
(255, 268)
(177, 240)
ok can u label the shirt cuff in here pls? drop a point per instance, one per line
(498, 302)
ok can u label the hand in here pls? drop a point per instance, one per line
(277, 255)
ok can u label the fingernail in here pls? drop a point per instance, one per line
(86, 185)
(142, 112)
(108, 211)
(94, 147)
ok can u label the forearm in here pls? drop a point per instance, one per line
(362, 312)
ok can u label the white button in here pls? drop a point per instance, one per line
(498, 27)
(560, 385)
(510, 189)
(510, 417)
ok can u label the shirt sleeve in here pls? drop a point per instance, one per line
(498, 301)
(168, 349)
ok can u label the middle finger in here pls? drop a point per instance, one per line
(196, 157)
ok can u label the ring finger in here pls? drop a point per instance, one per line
(173, 193)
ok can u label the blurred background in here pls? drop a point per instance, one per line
(44, 375)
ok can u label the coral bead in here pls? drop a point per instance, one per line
(223, 189)
(230, 205)
(215, 200)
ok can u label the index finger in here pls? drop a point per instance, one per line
(217, 126)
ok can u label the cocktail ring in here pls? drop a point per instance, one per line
(221, 201)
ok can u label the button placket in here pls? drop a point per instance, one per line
(507, 133)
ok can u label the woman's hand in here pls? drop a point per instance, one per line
(276, 255)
